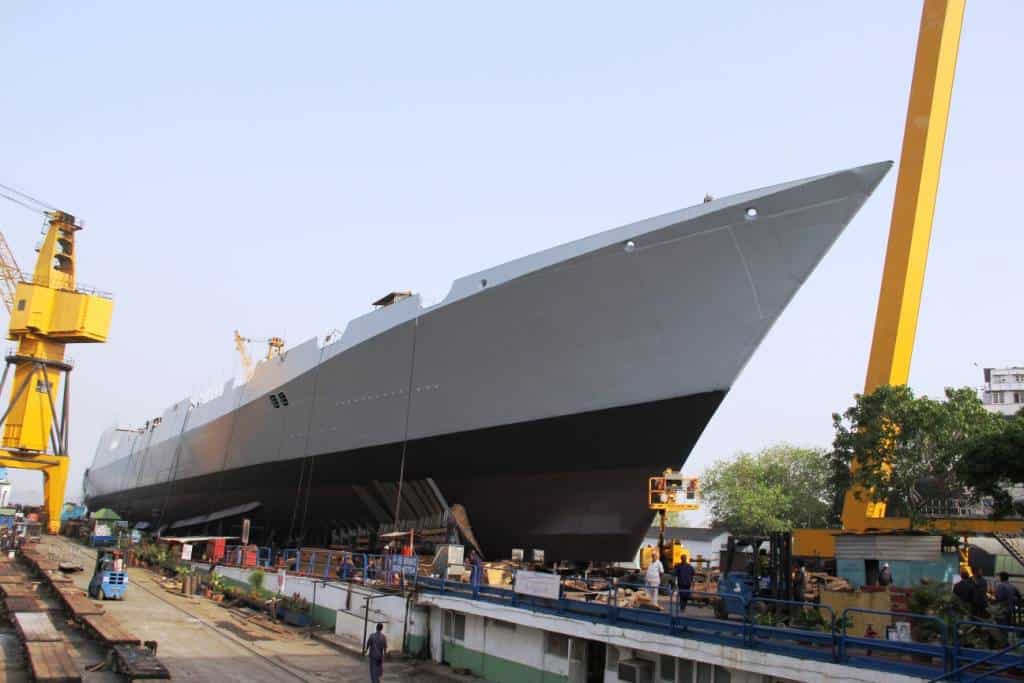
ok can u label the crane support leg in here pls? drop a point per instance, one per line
(910, 230)
(55, 478)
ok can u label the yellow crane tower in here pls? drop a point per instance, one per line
(48, 312)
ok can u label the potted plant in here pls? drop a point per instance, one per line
(294, 610)
(216, 587)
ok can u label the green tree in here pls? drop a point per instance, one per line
(908, 449)
(994, 462)
(780, 488)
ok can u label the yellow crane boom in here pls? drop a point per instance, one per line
(274, 347)
(906, 256)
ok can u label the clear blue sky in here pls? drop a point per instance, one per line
(275, 167)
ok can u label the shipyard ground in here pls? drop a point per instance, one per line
(201, 641)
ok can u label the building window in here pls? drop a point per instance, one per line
(455, 625)
(556, 644)
(704, 672)
(1018, 378)
(668, 668)
(722, 675)
(996, 396)
(685, 670)
(998, 379)
(612, 658)
(1018, 397)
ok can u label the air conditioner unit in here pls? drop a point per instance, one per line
(636, 671)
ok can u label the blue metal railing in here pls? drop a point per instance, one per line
(803, 629)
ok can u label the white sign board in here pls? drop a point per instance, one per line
(101, 530)
(282, 580)
(539, 584)
(186, 551)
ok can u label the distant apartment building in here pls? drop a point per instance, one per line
(1003, 391)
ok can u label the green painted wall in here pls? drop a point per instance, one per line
(496, 669)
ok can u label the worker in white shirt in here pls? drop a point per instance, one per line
(653, 579)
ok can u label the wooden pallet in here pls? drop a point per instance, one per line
(138, 663)
(52, 663)
(35, 627)
(109, 630)
(14, 578)
(25, 605)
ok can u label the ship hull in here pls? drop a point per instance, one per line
(593, 505)
(539, 394)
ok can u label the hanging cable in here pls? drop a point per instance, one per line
(408, 411)
(27, 196)
(34, 209)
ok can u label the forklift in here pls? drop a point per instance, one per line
(109, 577)
(768, 574)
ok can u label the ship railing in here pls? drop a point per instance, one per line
(385, 570)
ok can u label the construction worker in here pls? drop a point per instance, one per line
(684, 581)
(476, 571)
(347, 569)
(979, 596)
(885, 575)
(653, 578)
(800, 582)
(964, 589)
(376, 647)
(1007, 597)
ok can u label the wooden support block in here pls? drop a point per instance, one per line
(52, 663)
(24, 605)
(18, 590)
(79, 605)
(109, 630)
(19, 580)
(139, 663)
(35, 627)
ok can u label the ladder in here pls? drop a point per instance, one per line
(1013, 545)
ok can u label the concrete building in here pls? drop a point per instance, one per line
(509, 637)
(1003, 391)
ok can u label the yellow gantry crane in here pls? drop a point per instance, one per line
(274, 347)
(899, 300)
(48, 312)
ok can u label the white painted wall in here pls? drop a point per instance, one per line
(347, 600)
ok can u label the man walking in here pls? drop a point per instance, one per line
(376, 647)
(684, 581)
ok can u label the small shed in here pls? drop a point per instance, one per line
(911, 557)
